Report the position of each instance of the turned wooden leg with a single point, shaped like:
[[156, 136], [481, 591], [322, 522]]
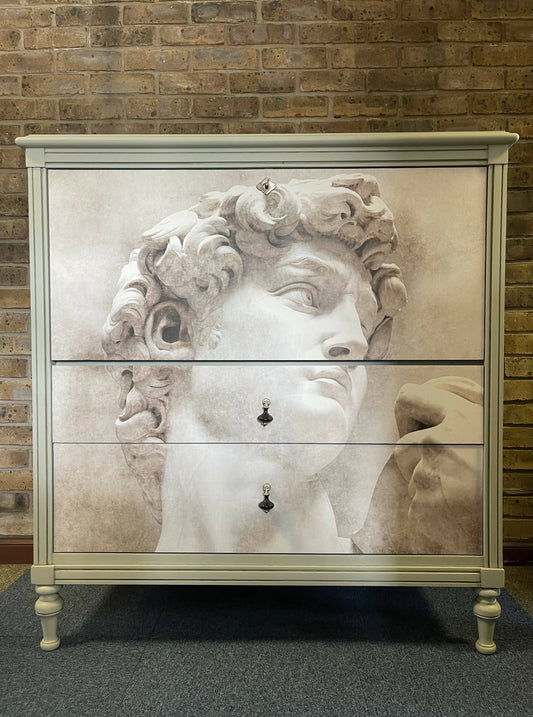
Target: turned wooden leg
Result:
[[48, 606], [487, 610]]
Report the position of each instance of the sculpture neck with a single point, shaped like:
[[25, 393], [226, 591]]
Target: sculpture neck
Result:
[[211, 493]]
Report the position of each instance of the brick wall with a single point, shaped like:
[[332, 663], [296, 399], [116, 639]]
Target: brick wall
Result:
[[82, 66]]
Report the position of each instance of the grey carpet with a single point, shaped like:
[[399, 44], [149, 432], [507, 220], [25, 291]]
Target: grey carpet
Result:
[[262, 651]]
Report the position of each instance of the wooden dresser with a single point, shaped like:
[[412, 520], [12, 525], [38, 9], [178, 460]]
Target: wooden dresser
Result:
[[268, 360]]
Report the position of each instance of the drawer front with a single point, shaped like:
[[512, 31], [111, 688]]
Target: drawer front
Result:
[[317, 268], [310, 403], [184, 498]]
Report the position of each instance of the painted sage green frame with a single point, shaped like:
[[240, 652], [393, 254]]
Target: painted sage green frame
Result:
[[479, 149]]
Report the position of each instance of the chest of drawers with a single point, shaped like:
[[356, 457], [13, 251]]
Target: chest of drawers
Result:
[[349, 287]]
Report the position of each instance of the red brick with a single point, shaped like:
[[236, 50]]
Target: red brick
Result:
[[85, 16], [295, 106], [217, 107], [13, 276], [464, 123], [519, 224], [294, 57], [88, 59], [13, 158], [364, 56], [25, 109], [503, 103], [224, 58], [15, 62], [13, 251], [518, 248], [156, 59], [503, 55], [17, 345], [516, 389], [192, 128], [9, 132], [123, 83], [223, 12], [193, 83], [295, 10], [14, 298], [122, 36], [434, 9], [470, 31], [55, 128], [15, 435], [142, 108], [9, 40], [470, 78], [434, 104], [155, 13], [519, 367], [488, 9], [13, 367], [332, 81], [192, 35], [91, 108], [519, 273], [405, 32], [518, 414], [124, 127], [367, 10], [435, 55], [11, 322], [521, 153], [521, 201], [70, 84], [14, 413], [520, 78], [519, 31], [354, 124], [521, 344], [251, 82], [402, 80], [14, 457], [9, 85], [42, 38], [365, 105], [261, 127], [331, 33], [174, 108], [16, 480], [15, 17], [14, 205], [521, 177], [519, 297], [262, 34]]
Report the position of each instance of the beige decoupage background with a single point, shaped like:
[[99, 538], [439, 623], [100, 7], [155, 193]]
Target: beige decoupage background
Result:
[[98, 504], [98, 217]]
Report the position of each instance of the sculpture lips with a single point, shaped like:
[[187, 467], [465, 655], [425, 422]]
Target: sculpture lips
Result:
[[335, 373]]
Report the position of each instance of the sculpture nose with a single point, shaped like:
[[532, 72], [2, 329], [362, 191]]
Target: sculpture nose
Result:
[[345, 339]]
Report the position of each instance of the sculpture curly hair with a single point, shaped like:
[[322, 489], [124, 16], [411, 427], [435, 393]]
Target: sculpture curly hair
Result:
[[177, 280]]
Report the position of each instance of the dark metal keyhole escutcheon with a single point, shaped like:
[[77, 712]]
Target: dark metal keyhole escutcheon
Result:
[[266, 504], [265, 418]]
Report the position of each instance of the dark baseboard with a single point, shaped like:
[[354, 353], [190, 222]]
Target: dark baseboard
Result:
[[20, 550], [17, 550], [518, 554]]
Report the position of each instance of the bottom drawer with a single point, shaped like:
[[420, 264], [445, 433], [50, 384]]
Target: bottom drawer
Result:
[[204, 498]]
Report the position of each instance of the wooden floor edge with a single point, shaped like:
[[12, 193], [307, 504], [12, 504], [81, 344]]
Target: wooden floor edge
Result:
[[16, 550], [19, 550]]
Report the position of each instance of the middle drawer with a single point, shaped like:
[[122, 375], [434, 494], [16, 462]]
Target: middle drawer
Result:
[[309, 403]]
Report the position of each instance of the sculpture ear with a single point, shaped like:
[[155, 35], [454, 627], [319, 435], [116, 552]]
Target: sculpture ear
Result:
[[168, 331]]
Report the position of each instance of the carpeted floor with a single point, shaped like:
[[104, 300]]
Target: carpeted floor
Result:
[[262, 651]]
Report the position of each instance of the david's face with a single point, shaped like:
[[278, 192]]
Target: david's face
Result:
[[312, 303]]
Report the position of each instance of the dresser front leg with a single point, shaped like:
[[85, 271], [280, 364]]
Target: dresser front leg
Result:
[[487, 610], [48, 606]]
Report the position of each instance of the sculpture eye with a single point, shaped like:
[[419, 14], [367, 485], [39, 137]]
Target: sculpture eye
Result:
[[301, 294]]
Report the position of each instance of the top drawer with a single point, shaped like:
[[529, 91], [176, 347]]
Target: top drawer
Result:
[[271, 264]]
